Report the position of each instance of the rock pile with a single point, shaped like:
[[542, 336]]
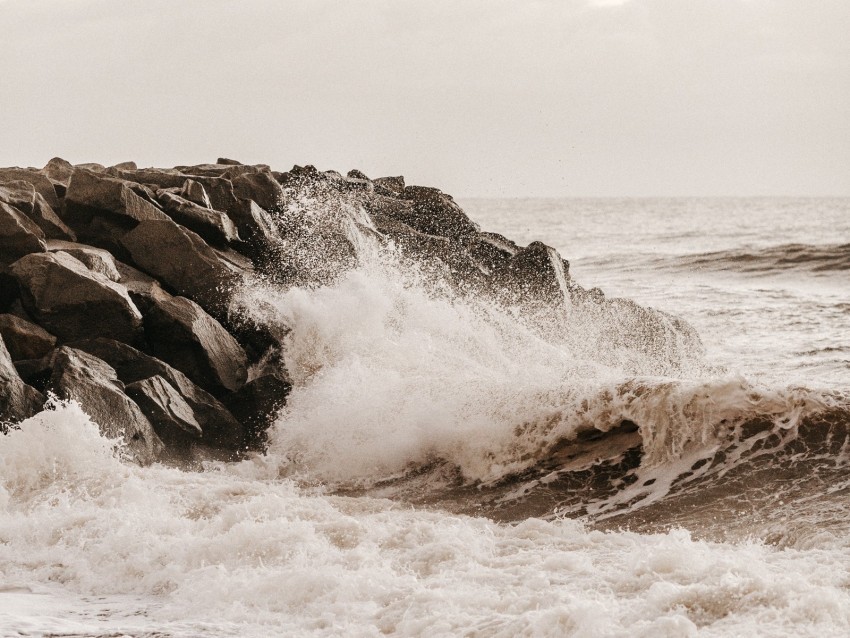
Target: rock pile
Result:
[[116, 287]]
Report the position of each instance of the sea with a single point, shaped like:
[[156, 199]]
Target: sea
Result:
[[445, 467]]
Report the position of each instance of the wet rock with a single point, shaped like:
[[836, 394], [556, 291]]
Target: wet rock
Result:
[[257, 404], [18, 401], [357, 174], [435, 213], [253, 224], [359, 185], [25, 340], [171, 416], [260, 187], [95, 259], [19, 235], [183, 335], [181, 260], [39, 181], [73, 302], [491, 251], [24, 197], [219, 426], [213, 226], [93, 383], [390, 186], [195, 193], [536, 273]]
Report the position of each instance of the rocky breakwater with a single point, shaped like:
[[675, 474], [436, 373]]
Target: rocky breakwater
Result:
[[117, 288]]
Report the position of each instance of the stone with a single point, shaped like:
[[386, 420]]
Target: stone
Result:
[[435, 213], [125, 166], [39, 181], [181, 260], [229, 162], [92, 194], [94, 385], [58, 171], [261, 187], [219, 426], [219, 189], [257, 404], [73, 302], [19, 235], [24, 197], [228, 171], [18, 401], [184, 336], [172, 418], [356, 174], [390, 186], [25, 340], [536, 273], [95, 259], [213, 226], [194, 192]]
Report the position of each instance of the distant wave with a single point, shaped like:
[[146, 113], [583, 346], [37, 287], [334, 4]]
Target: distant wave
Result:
[[823, 258]]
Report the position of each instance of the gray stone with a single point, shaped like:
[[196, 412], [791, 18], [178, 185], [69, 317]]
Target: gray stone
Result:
[[24, 197], [435, 213], [39, 181], [262, 187], [94, 385], [19, 235], [95, 259], [195, 192], [18, 401], [25, 340], [213, 226], [172, 418], [73, 302]]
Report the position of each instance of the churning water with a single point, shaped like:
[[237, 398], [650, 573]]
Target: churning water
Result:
[[444, 467]]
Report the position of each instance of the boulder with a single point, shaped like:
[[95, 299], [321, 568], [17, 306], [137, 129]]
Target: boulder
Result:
[[536, 273], [261, 187], [93, 194], [357, 174], [219, 189], [391, 186], [181, 260], [95, 259], [213, 226], [25, 340], [194, 192], [219, 426], [18, 401], [125, 166], [435, 213], [35, 177], [94, 385], [19, 235], [257, 404], [73, 302], [59, 171], [172, 418], [253, 224], [24, 197], [218, 170], [229, 162], [183, 335]]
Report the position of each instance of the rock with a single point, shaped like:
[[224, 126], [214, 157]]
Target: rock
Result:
[[19, 235], [183, 335], [194, 192], [219, 426], [94, 385], [213, 226], [491, 251], [18, 401], [95, 259], [391, 186], [72, 302], [219, 189], [536, 273], [172, 418], [356, 174], [359, 185], [25, 340], [58, 171], [39, 181], [24, 197], [228, 171], [229, 162], [435, 213], [260, 187], [181, 260], [125, 166], [257, 404]]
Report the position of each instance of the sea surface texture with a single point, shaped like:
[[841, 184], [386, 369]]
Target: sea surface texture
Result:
[[446, 467]]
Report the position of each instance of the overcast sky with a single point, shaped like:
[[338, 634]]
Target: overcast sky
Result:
[[493, 98]]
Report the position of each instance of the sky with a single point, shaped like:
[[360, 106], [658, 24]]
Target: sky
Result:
[[543, 98]]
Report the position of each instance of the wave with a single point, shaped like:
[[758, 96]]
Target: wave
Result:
[[785, 257]]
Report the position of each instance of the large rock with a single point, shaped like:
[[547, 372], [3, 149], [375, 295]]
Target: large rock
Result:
[[101, 209], [392, 186], [19, 235], [73, 302], [219, 426], [181, 260], [195, 192], [536, 273], [24, 197], [94, 385], [95, 259], [435, 213], [39, 181], [171, 416], [257, 404], [25, 340], [18, 401], [213, 226], [59, 171], [182, 334], [261, 187], [219, 189]]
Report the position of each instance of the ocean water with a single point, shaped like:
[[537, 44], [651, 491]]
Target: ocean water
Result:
[[445, 467]]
